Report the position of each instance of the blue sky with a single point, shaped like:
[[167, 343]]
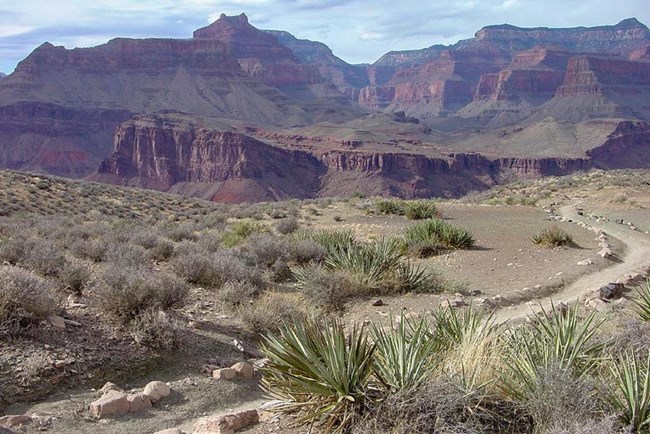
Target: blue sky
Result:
[[356, 30]]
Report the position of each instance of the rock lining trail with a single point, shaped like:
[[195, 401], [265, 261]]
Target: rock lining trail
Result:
[[634, 258]]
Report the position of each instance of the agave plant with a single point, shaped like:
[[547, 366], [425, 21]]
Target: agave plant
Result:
[[420, 209], [330, 240], [643, 302], [632, 379], [555, 339], [406, 353], [319, 371], [439, 235], [553, 237]]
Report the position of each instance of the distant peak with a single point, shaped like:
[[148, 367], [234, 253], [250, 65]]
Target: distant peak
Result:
[[629, 23], [224, 25]]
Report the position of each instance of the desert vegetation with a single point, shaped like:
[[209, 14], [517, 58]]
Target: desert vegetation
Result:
[[553, 237]]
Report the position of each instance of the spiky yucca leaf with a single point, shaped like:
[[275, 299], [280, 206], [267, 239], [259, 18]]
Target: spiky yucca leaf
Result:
[[421, 209], [555, 339], [318, 371], [439, 234], [406, 353], [632, 398], [643, 302]]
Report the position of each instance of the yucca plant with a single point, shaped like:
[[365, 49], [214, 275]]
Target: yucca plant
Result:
[[439, 235], [643, 302], [390, 206], [317, 370], [330, 240], [632, 397], [453, 327], [553, 237], [420, 209], [555, 339], [406, 353]]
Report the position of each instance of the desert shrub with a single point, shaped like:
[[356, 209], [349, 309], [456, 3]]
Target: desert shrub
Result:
[[272, 310], [182, 232], [232, 268], [642, 302], [125, 292], [236, 294], [240, 231], [162, 250], [434, 235], [443, 406], [265, 249], [198, 268], [631, 397], [287, 226], [74, 277], [306, 251], [280, 271], [319, 371], [209, 241], [127, 255], [13, 250], [421, 209], [390, 206], [25, 299], [562, 398], [45, 258], [330, 240], [91, 249], [153, 328], [145, 238], [329, 289], [553, 237]]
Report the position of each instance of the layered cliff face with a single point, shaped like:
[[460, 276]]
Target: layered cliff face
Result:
[[508, 71], [173, 154]]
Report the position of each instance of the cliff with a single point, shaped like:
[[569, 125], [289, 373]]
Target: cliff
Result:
[[173, 154]]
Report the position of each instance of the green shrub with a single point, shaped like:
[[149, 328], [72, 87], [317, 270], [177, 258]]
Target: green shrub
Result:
[[330, 240], [319, 371], [25, 299], [553, 237], [632, 395], [240, 231], [434, 235], [421, 209], [553, 340], [390, 206]]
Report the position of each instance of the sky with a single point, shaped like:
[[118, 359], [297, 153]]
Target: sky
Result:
[[358, 31]]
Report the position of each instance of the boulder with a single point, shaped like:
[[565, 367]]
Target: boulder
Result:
[[156, 390], [611, 291], [224, 374], [111, 386], [138, 402], [113, 402], [243, 370], [12, 420]]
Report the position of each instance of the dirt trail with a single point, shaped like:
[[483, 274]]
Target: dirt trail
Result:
[[635, 257]]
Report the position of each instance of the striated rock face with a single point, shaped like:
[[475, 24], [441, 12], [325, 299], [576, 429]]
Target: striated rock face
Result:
[[174, 155], [345, 76], [588, 75], [500, 75], [259, 53]]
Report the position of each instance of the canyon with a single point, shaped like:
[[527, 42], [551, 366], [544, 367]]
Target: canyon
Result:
[[238, 114]]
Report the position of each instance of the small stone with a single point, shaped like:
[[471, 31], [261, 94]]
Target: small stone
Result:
[[224, 374], [586, 262], [243, 419], [243, 370], [378, 302], [57, 322], [138, 402], [157, 390], [605, 253], [213, 425], [170, 431], [475, 292], [13, 420], [112, 402], [111, 386]]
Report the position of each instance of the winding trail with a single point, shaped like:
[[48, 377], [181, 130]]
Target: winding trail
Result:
[[636, 257]]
